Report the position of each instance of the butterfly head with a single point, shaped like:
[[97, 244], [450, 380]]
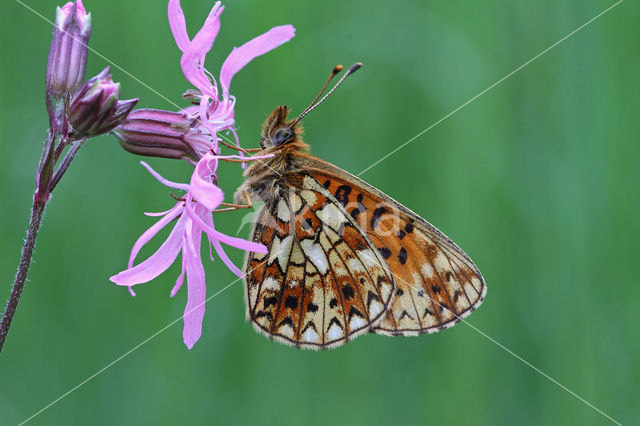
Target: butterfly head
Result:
[[277, 131]]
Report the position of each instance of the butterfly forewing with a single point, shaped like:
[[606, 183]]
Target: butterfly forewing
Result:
[[437, 284], [323, 281]]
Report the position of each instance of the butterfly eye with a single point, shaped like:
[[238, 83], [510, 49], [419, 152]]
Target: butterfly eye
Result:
[[282, 135]]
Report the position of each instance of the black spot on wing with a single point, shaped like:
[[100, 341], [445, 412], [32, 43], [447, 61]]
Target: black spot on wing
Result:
[[261, 314], [287, 321], [385, 252], [360, 208], [309, 325], [354, 312], [377, 214], [333, 303], [371, 296], [335, 320], [342, 194], [271, 300], [402, 256], [291, 302], [348, 292], [312, 307]]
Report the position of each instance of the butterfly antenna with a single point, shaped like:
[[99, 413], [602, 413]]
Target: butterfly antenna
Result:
[[335, 71]]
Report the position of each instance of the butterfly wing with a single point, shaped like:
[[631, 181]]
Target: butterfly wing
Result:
[[437, 284], [322, 282]]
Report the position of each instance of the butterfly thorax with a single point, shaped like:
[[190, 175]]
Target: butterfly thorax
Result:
[[266, 179]]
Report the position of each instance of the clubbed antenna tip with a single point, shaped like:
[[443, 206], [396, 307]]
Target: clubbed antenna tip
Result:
[[353, 68]]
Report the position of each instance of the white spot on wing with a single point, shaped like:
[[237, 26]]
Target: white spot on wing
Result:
[[369, 258], [375, 309], [271, 283], [331, 215], [309, 196], [296, 202], [283, 211], [281, 250], [310, 336], [355, 265], [427, 270], [356, 322], [334, 332], [287, 331], [315, 253]]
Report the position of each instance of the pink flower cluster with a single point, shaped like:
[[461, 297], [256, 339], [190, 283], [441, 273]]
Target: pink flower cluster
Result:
[[193, 215]]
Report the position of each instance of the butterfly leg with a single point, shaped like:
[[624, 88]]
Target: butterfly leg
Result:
[[231, 207]]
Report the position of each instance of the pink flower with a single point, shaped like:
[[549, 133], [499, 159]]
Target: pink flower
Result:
[[193, 214]]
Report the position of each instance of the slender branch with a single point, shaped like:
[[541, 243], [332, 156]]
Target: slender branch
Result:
[[66, 161], [23, 268]]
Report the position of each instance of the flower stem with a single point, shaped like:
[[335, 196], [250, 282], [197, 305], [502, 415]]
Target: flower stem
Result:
[[23, 269]]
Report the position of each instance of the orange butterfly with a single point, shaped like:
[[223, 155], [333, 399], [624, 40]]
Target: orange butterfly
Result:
[[344, 258]]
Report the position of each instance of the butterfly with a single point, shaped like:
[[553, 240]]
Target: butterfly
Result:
[[343, 258]]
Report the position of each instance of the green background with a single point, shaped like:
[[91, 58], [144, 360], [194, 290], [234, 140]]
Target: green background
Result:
[[537, 180]]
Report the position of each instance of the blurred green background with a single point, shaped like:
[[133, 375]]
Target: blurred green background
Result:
[[537, 180]]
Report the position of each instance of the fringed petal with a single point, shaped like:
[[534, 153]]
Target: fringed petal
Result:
[[241, 56], [196, 289], [157, 263]]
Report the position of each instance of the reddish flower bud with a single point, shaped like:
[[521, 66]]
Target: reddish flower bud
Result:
[[96, 107], [68, 51], [157, 133]]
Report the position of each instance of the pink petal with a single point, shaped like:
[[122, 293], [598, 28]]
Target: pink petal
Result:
[[155, 214], [219, 236], [151, 232], [202, 189], [191, 64], [179, 280], [260, 45], [157, 263], [204, 39], [197, 291], [164, 181], [190, 110], [225, 259], [192, 61], [178, 25]]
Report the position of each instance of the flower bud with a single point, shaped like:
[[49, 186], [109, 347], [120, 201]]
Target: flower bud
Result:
[[157, 133], [96, 107], [68, 51]]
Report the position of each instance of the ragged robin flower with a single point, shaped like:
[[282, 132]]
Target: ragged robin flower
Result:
[[193, 213]]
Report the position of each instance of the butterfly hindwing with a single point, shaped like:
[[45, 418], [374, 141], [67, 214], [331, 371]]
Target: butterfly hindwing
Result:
[[437, 284], [323, 282]]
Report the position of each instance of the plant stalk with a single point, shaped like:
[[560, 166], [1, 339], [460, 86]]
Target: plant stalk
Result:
[[23, 269]]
